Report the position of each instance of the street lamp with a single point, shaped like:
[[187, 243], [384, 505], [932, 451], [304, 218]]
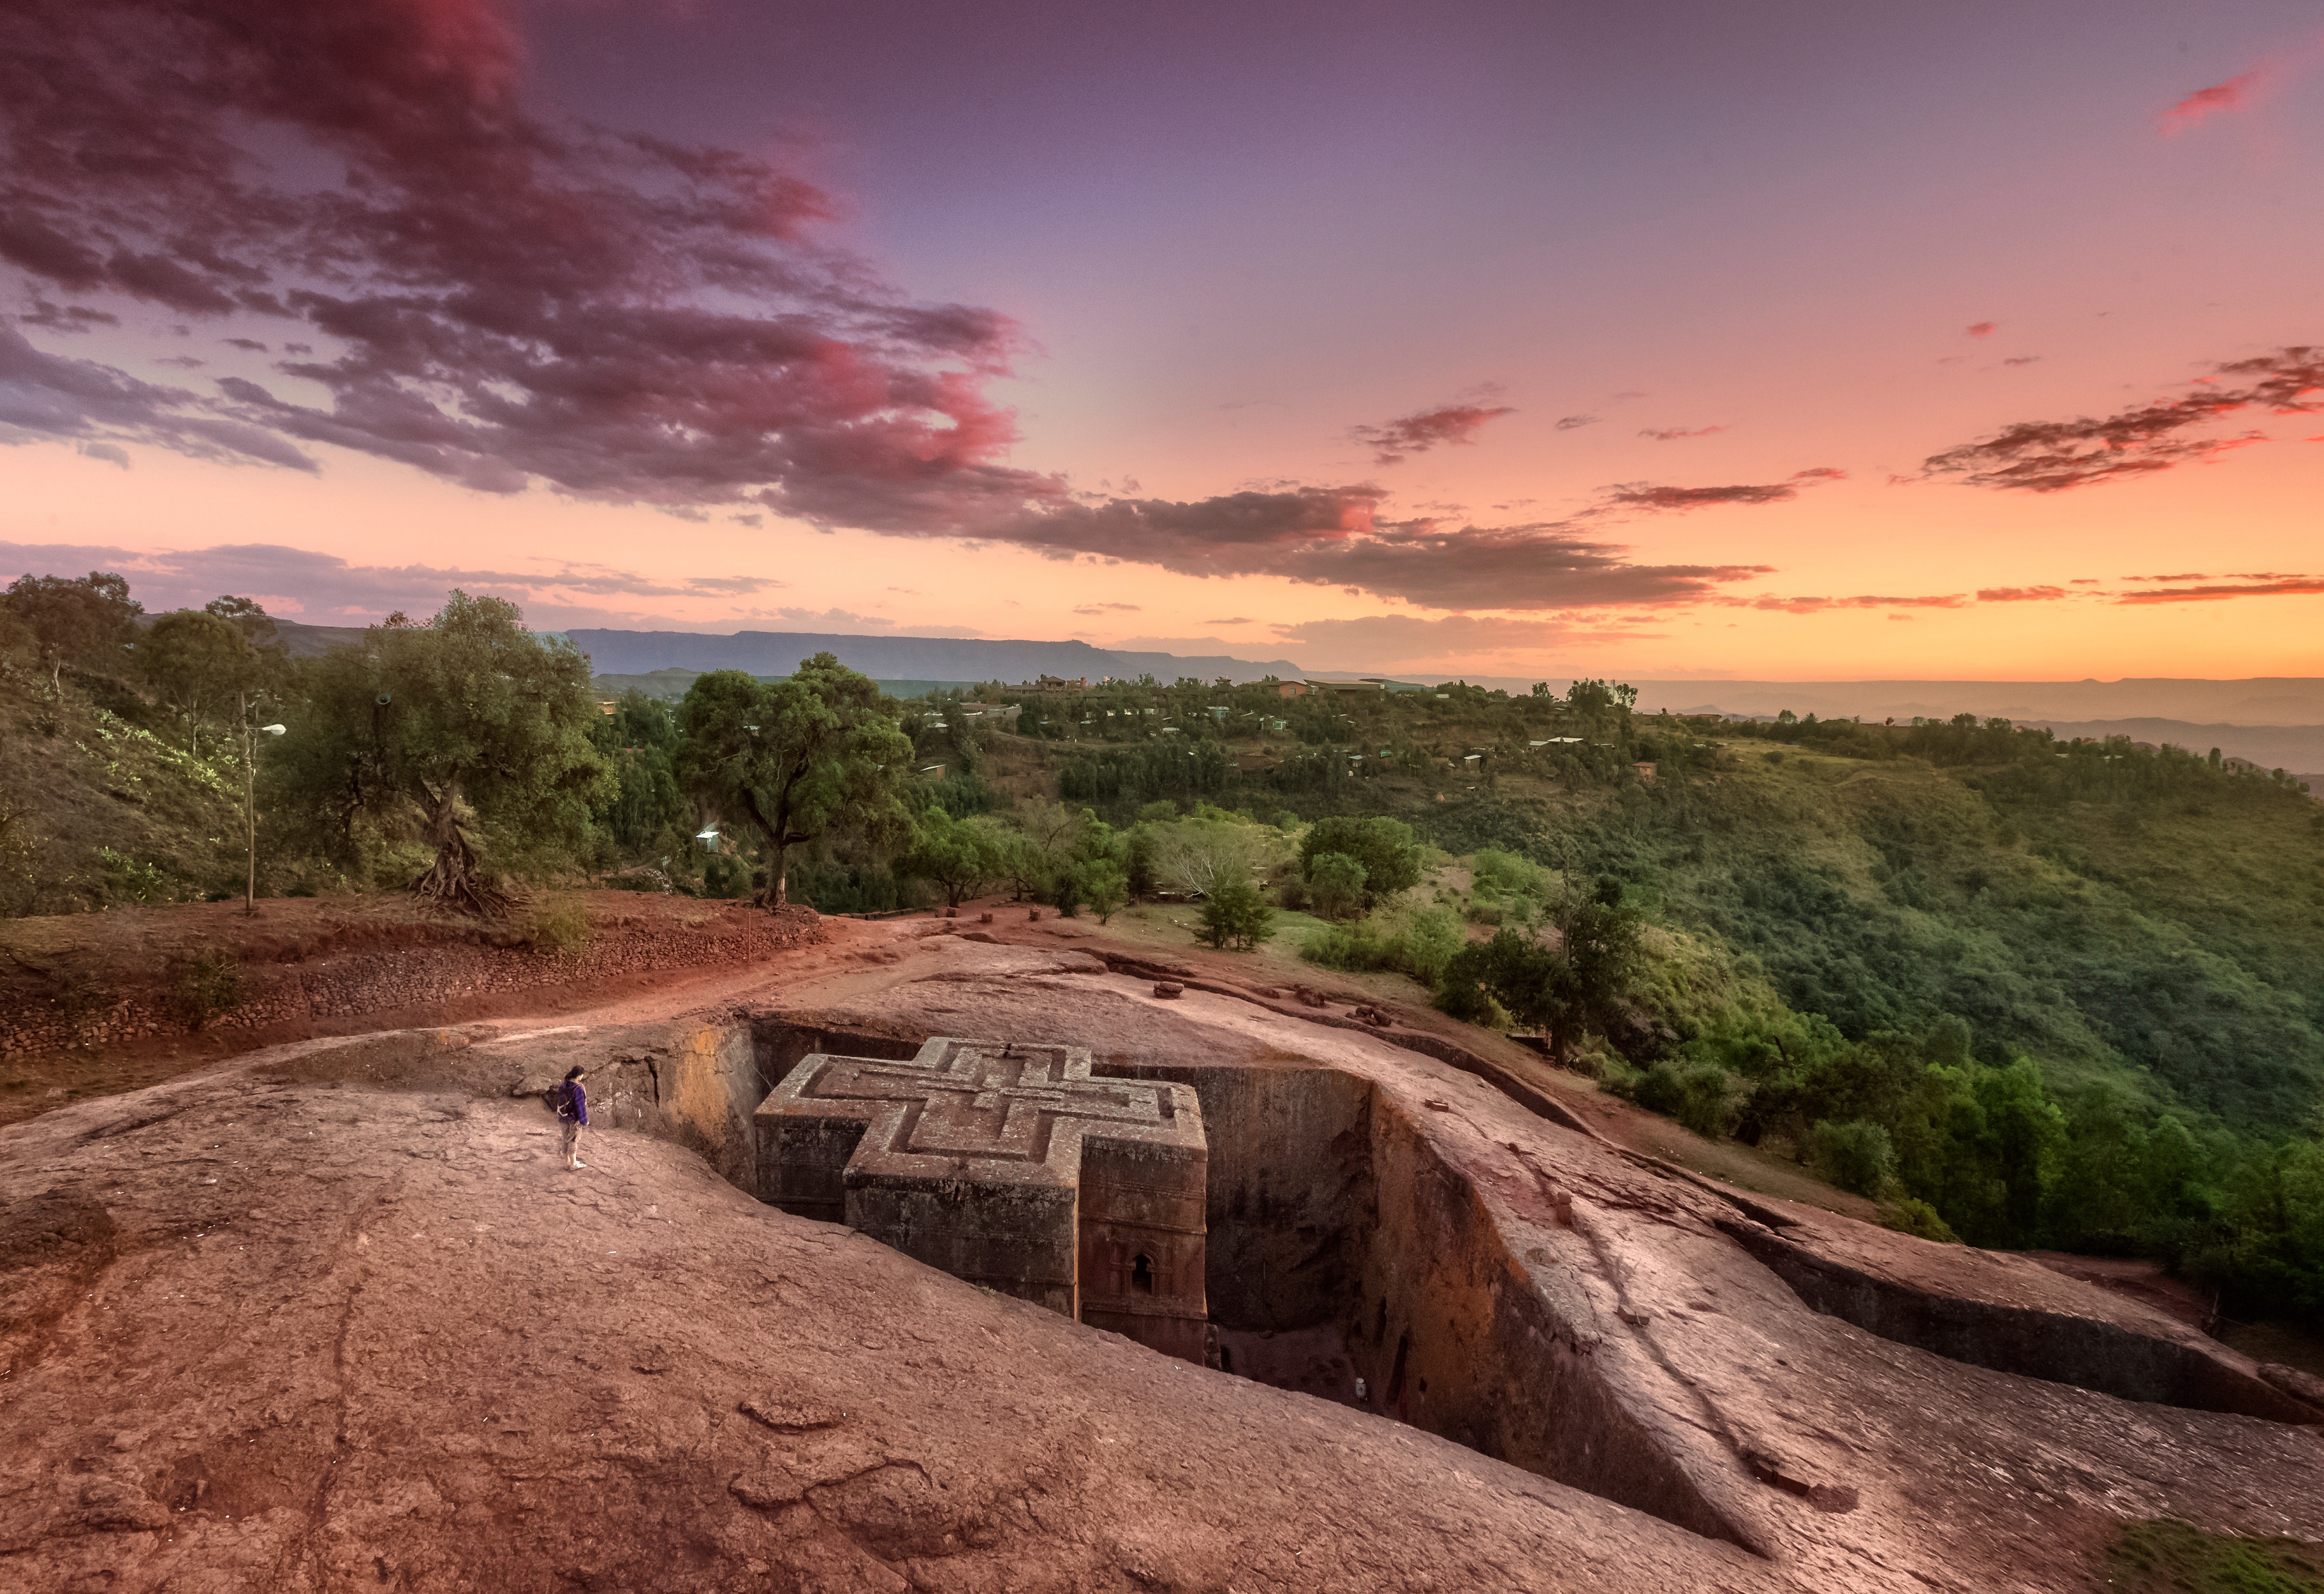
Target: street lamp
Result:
[[250, 735]]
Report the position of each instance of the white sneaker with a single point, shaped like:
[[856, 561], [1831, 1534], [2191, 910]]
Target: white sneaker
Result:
[[579, 1164]]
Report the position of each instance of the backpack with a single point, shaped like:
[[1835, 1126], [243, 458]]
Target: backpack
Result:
[[560, 1097]]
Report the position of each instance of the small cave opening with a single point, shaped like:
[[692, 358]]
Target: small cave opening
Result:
[[1141, 1274]]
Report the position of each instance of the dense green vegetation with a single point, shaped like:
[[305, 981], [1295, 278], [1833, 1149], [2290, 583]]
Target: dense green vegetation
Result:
[[2021, 991], [2168, 1557]]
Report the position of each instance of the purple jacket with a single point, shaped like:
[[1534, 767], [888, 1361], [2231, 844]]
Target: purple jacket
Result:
[[573, 1103]]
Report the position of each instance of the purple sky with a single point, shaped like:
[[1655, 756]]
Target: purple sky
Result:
[[1688, 338]]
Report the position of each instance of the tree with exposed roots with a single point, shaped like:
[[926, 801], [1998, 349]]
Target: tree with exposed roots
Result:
[[797, 757], [468, 722]]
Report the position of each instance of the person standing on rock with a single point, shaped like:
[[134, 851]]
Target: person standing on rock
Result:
[[573, 1114]]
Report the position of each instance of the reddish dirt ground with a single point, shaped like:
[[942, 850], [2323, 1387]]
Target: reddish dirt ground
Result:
[[94, 1004]]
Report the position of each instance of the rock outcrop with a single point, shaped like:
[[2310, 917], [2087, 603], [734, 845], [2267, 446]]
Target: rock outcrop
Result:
[[332, 1316]]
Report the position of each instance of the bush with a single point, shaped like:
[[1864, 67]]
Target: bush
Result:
[[1384, 847], [1105, 886], [560, 926], [1421, 944], [1856, 1155], [1466, 1001], [724, 877], [1336, 881], [1428, 940], [208, 985], [1496, 874], [1911, 1215], [1704, 1096], [1196, 855], [1353, 949], [1234, 915]]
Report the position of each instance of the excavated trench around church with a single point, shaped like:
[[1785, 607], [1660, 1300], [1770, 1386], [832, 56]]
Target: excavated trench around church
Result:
[[1346, 1260], [1342, 1249]]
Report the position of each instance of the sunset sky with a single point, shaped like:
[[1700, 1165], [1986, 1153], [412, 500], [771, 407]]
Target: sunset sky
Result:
[[1791, 341]]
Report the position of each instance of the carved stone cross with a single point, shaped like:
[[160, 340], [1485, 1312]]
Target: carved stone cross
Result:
[[1007, 1164]]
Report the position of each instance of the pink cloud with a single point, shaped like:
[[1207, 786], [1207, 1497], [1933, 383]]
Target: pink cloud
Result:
[[1642, 496], [1674, 433], [1982, 328], [328, 590], [2234, 95], [2054, 455], [509, 297], [1417, 433], [2278, 586], [1816, 605]]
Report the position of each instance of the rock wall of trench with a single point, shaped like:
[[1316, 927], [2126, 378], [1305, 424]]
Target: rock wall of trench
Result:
[[1327, 1205], [2084, 1351]]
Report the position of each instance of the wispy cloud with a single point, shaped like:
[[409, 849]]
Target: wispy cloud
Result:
[[1982, 328], [2020, 594], [2054, 455], [1390, 640], [1417, 433], [1107, 608], [832, 619], [1641, 495], [1673, 434], [2233, 95], [66, 317], [2267, 586], [1336, 537], [1816, 605]]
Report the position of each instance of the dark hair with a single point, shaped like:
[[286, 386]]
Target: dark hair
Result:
[[573, 1073]]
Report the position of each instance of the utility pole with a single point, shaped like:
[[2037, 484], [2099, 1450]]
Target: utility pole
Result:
[[250, 735]]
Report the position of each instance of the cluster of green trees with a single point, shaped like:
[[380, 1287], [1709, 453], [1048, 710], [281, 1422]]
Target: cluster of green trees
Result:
[[2029, 992], [464, 753]]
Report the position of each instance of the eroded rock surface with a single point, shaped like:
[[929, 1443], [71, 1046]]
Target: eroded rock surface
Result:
[[334, 1318]]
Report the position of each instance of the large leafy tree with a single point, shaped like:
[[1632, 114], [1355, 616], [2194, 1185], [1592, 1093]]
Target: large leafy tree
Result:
[[1385, 848], [467, 721], [87, 620], [1562, 989], [640, 739], [954, 855], [797, 757], [201, 667]]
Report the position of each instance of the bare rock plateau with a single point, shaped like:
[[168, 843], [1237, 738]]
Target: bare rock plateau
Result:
[[332, 1316]]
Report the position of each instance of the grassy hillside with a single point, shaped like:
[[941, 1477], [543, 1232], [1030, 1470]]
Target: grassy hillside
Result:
[[102, 801], [2173, 946]]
